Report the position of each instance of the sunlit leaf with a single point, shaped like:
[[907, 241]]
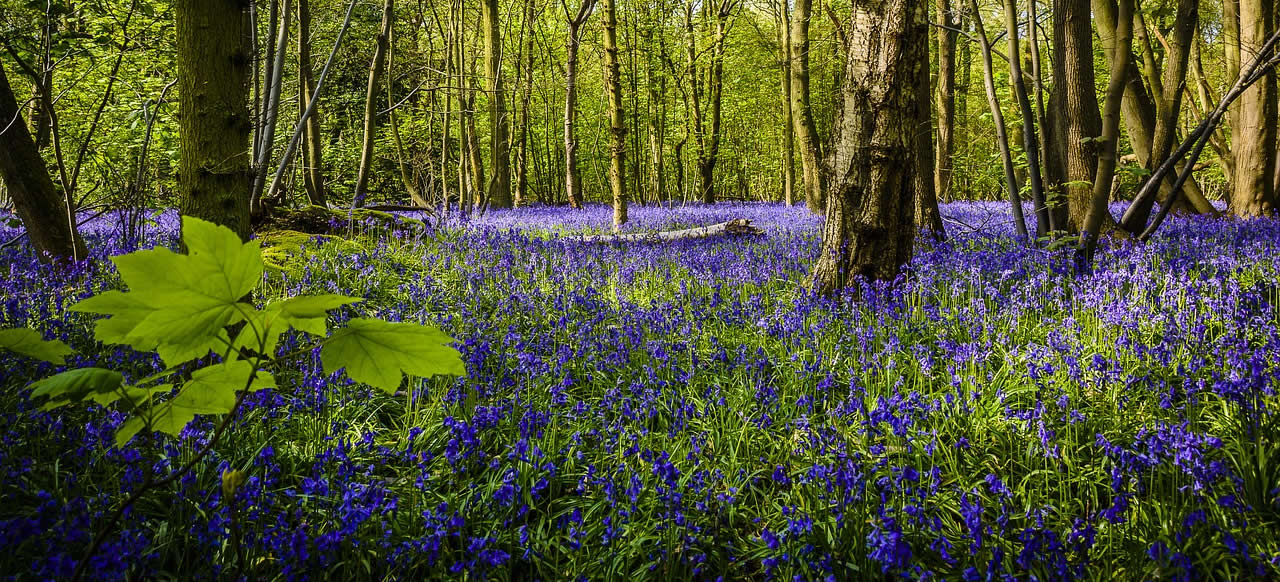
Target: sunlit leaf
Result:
[[30, 343], [377, 352]]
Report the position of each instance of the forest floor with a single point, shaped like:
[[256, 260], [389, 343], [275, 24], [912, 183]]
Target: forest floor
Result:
[[689, 410]]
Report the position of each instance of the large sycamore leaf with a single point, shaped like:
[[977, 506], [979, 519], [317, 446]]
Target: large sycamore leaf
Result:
[[178, 304], [30, 343], [377, 352]]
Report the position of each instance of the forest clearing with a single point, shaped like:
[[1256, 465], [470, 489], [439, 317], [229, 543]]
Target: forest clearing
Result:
[[651, 290]]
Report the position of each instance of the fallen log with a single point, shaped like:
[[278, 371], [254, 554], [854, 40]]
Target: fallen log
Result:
[[738, 227]]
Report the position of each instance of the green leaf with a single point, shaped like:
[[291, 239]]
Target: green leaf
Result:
[[211, 390], [30, 343], [76, 384], [311, 313], [129, 428], [178, 304], [132, 394], [377, 352]]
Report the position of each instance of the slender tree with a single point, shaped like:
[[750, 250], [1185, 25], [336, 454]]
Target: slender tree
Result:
[[1030, 142], [783, 14], [806, 130], [997, 118], [572, 181], [945, 106], [617, 123], [213, 111], [313, 148], [869, 229], [370, 103], [1121, 45]]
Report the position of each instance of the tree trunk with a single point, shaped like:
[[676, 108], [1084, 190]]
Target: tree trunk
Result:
[[370, 104], [1168, 108], [572, 181], [869, 229], [526, 61], [1121, 45], [927, 215], [1254, 135], [312, 149], [499, 124], [617, 123], [946, 100], [213, 112], [1074, 108], [1030, 143], [788, 119], [49, 225], [806, 130], [997, 118], [657, 86], [271, 115]]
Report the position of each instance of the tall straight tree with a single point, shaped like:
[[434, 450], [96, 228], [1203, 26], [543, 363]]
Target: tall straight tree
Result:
[[575, 22], [1254, 133], [49, 225], [945, 105], [997, 117], [525, 62], [802, 113], [783, 15], [312, 148], [870, 229], [617, 123], [370, 102], [1030, 143], [213, 111], [499, 123]]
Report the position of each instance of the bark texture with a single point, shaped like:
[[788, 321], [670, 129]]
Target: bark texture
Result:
[[945, 106], [1074, 108], [617, 119], [1253, 141], [869, 230], [213, 111]]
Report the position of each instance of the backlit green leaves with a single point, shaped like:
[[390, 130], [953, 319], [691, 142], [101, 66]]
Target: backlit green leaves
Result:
[[178, 304], [183, 307], [29, 342], [377, 352]]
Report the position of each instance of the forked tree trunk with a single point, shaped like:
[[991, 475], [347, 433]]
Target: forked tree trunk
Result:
[[50, 227], [1030, 143], [213, 112], [806, 131], [572, 181], [997, 117], [1122, 42], [617, 123], [870, 229]]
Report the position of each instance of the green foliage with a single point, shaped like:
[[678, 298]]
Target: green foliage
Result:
[[195, 306], [29, 343]]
